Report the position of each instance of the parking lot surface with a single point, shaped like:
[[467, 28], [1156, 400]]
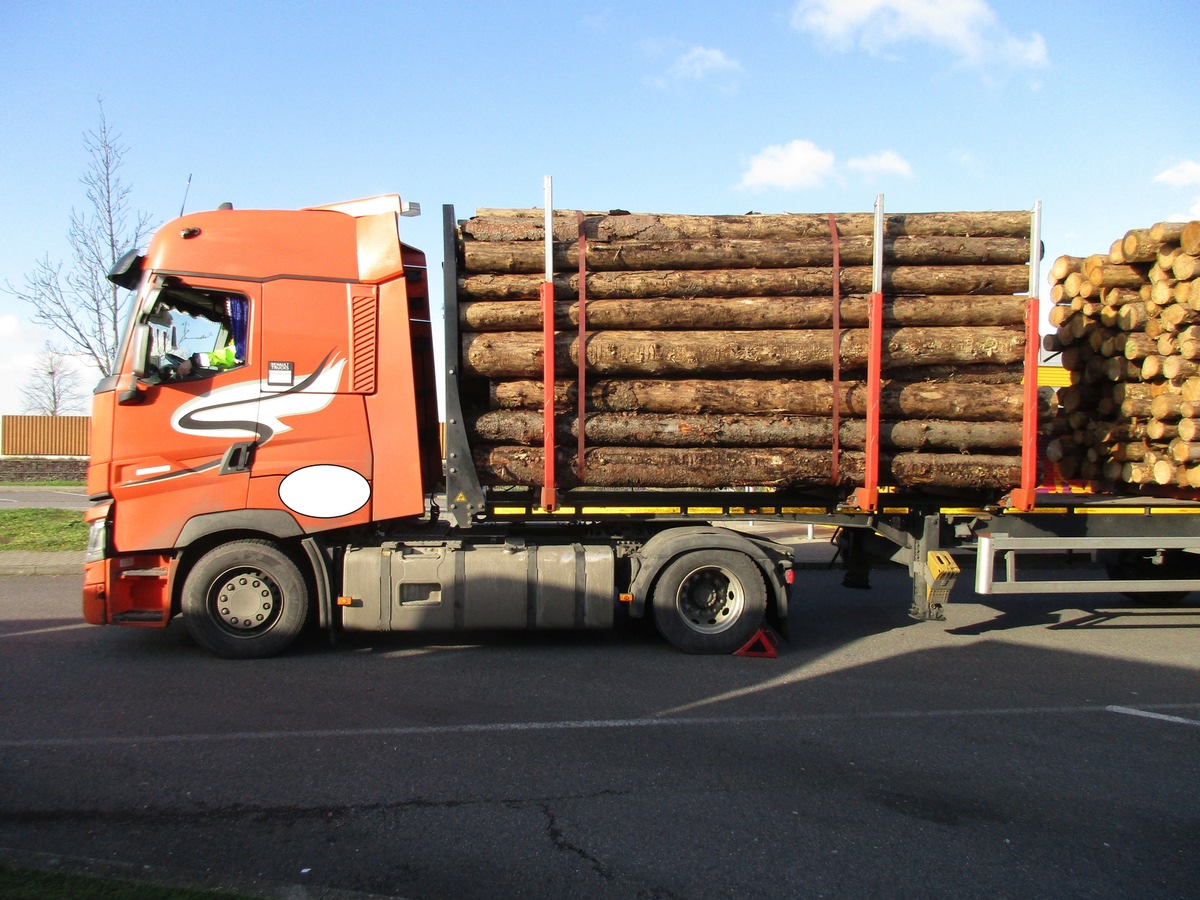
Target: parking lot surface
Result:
[[1025, 747], [20, 497]]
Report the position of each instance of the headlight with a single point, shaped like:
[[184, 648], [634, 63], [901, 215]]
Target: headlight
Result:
[[97, 544]]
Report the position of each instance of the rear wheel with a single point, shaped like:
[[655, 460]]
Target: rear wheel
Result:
[[245, 600], [1134, 564], [710, 601]]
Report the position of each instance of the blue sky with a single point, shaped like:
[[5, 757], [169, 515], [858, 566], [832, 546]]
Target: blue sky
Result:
[[700, 107]]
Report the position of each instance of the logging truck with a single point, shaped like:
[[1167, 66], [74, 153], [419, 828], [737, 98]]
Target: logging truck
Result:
[[622, 392]]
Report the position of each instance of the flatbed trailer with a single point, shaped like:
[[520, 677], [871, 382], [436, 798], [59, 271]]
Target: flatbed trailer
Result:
[[1150, 539], [1119, 543]]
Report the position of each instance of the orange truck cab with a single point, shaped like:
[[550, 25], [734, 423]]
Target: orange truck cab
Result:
[[273, 364]]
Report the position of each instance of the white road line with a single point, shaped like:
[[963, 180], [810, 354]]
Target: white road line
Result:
[[467, 728], [1130, 711], [44, 630]]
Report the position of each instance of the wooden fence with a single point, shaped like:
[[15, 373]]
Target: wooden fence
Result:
[[44, 435]]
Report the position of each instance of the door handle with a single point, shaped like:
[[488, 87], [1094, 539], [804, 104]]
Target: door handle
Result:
[[237, 458]]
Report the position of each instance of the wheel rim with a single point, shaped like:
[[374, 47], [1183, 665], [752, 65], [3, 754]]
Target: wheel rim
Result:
[[710, 599], [245, 602]]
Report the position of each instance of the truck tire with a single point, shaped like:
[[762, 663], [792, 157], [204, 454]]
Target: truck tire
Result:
[[245, 600], [710, 601], [1132, 564]]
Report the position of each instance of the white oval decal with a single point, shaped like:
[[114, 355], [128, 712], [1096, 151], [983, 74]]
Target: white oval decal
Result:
[[324, 492]]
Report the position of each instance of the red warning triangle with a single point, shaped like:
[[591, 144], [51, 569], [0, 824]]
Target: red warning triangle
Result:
[[763, 645]]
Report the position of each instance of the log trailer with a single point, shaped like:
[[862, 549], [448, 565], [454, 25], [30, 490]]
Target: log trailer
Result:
[[268, 453]]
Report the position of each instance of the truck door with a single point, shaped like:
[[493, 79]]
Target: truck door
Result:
[[318, 346], [182, 440]]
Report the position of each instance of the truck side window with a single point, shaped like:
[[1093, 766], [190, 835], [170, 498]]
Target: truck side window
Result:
[[196, 334]]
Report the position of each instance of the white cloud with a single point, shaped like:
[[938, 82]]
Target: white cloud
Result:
[[885, 163], [800, 164], [968, 29], [20, 345], [694, 65], [1192, 215], [1181, 175], [16, 363], [700, 62]]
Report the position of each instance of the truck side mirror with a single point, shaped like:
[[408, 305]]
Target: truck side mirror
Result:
[[130, 390]]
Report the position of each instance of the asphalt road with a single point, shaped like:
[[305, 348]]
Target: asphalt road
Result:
[[18, 497], [1024, 748]]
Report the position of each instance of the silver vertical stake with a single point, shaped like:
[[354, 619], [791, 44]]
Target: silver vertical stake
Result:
[[548, 185], [877, 256], [1035, 250]]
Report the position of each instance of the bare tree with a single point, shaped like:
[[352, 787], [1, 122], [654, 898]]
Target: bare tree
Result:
[[52, 388], [79, 303]]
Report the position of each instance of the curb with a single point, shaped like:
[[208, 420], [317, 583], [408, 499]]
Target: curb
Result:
[[19, 562]]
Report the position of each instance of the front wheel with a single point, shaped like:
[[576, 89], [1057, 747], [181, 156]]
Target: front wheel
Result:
[[245, 600], [710, 601]]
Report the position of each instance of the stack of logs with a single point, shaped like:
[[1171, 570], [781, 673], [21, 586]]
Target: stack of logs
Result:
[[1128, 325], [710, 348]]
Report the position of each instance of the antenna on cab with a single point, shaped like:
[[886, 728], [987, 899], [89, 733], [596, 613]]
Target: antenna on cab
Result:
[[186, 188]]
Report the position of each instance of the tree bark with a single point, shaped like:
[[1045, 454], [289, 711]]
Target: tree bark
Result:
[[1189, 429], [1175, 367], [1167, 406], [1064, 266], [528, 225], [1167, 232], [701, 467], [1158, 430], [1139, 346], [990, 279], [1189, 239], [515, 354], [523, 257], [745, 396], [637, 429], [1184, 451], [1185, 267], [1139, 246], [655, 313], [1120, 276]]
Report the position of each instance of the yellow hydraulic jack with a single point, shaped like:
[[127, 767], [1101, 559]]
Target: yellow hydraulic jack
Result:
[[939, 573]]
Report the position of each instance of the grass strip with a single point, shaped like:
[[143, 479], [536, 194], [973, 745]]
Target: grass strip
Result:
[[42, 529]]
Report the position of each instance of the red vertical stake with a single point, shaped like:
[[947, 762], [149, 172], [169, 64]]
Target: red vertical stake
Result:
[[1025, 496], [549, 487], [866, 498], [837, 350], [581, 374]]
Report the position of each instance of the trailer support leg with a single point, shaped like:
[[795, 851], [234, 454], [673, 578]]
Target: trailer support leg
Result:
[[933, 573], [856, 560]]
